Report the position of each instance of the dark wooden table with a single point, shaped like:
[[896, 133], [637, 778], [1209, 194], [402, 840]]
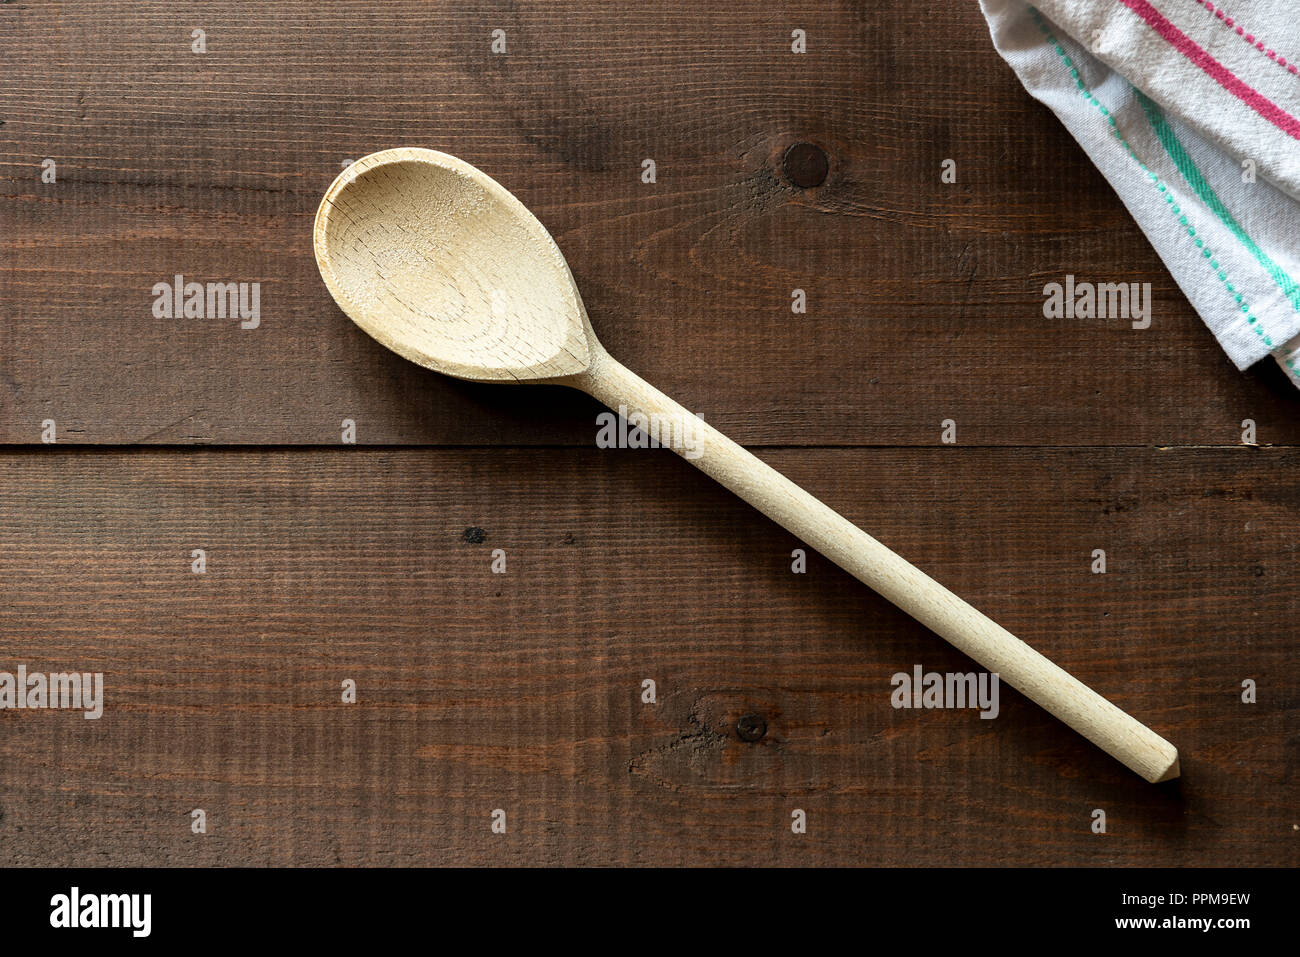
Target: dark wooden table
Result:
[[522, 691]]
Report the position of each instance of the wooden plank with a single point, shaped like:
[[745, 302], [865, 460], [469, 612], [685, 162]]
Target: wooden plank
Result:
[[924, 299], [522, 691]]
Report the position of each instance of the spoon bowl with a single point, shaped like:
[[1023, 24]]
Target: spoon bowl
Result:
[[443, 265]]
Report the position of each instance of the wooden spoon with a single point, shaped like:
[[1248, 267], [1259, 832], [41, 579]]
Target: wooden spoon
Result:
[[444, 266]]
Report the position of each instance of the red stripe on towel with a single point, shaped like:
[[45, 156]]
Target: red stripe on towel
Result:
[[1189, 48]]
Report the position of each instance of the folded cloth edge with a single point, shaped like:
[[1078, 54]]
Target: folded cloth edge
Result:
[[1243, 349]]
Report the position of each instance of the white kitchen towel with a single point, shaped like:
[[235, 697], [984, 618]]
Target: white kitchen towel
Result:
[[1192, 113]]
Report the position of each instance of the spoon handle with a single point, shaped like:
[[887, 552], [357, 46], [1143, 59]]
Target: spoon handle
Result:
[[992, 646]]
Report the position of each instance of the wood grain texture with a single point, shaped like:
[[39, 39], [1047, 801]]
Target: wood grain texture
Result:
[[522, 691], [924, 299]]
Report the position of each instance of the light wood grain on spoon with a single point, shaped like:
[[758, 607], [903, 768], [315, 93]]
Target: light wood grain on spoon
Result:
[[443, 265]]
